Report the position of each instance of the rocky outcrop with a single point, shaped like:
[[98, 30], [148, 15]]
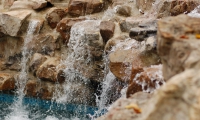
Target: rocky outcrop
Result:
[[12, 21], [124, 52], [175, 96], [177, 51]]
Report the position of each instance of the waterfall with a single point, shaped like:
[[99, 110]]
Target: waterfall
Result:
[[19, 111]]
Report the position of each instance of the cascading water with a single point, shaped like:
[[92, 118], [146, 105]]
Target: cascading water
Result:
[[18, 109]]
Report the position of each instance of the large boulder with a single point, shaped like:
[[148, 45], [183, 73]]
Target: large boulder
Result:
[[83, 7], [7, 81], [11, 22], [173, 100], [178, 44]]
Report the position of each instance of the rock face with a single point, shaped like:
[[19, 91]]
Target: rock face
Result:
[[125, 52], [178, 97], [45, 44], [10, 52], [177, 51], [175, 99], [7, 81], [12, 21]]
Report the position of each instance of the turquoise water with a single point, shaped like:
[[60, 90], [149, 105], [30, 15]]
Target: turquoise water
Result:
[[37, 109]]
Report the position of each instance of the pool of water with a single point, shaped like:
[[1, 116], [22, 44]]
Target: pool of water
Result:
[[37, 109]]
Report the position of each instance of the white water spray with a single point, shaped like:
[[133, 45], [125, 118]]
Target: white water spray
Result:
[[18, 109]]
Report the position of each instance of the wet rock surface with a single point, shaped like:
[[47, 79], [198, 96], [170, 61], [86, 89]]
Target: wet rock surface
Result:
[[7, 81], [72, 46]]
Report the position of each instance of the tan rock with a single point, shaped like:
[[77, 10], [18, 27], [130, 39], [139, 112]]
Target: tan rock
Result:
[[35, 62], [12, 21], [144, 5], [131, 22], [128, 51], [48, 71], [41, 89], [177, 44], [145, 79], [10, 52], [32, 4], [123, 10], [82, 7], [64, 27], [86, 41], [45, 44], [7, 3], [54, 16], [174, 7], [174, 98], [7, 81], [123, 108]]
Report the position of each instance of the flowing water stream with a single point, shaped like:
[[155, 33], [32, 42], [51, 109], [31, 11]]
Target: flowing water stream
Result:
[[18, 110]]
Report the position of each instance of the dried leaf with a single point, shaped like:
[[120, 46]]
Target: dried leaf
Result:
[[197, 36], [134, 107], [184, 37]]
